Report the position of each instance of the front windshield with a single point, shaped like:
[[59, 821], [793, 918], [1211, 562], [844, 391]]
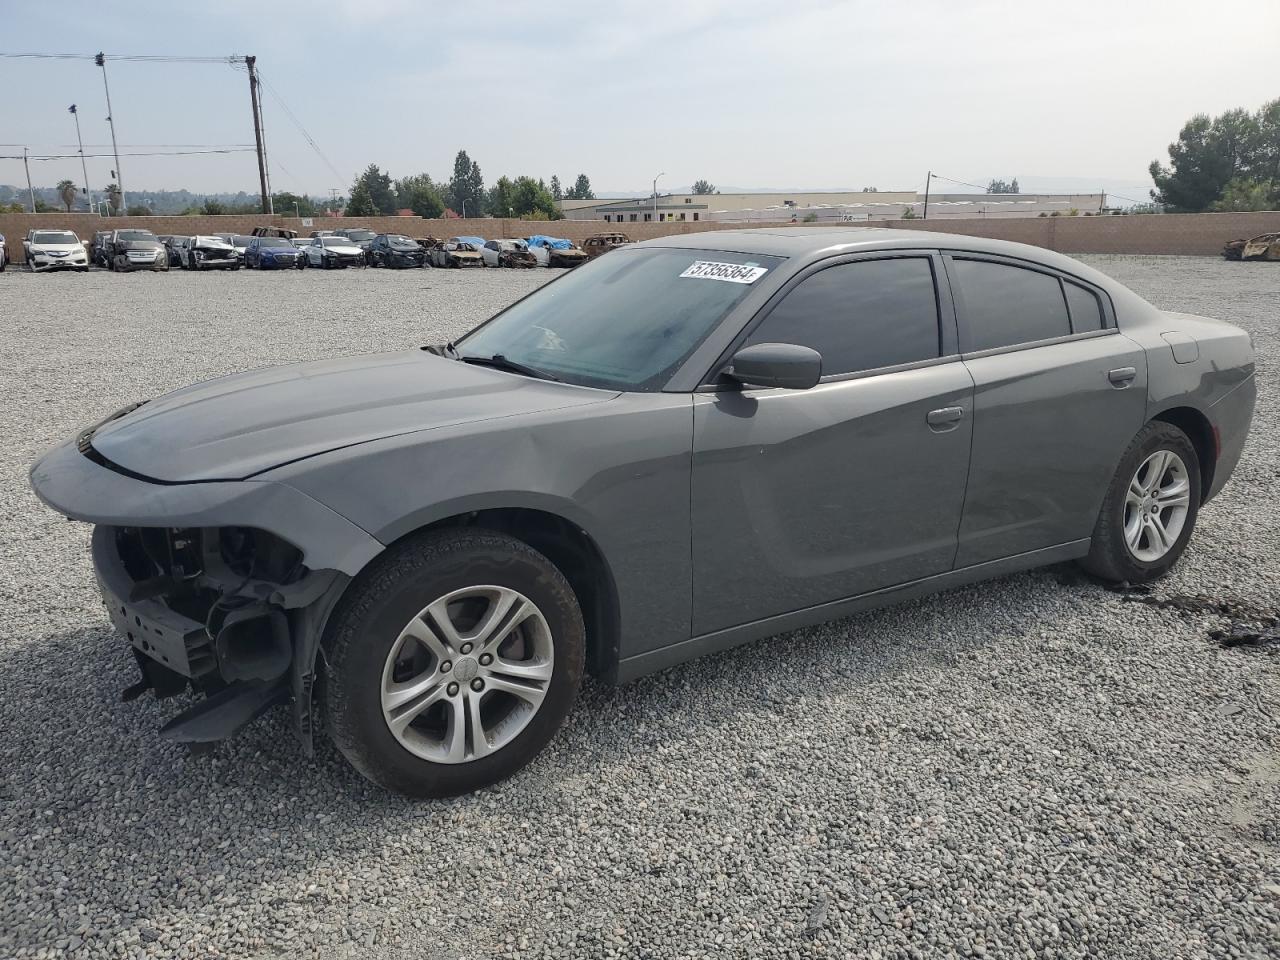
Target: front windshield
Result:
[[360, 234], [403, 243], [135, 235], [623, 322], [55, 236], [274, 242], [334, 241]]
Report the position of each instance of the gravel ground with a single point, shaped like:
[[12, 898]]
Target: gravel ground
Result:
[[1032, 767]]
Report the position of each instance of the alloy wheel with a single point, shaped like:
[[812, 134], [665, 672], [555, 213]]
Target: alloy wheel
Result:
[[467, 674], [1156, 505]]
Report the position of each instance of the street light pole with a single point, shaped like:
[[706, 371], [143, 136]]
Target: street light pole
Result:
[[83, 169], [655, 197], [101, 61], [928, 179], [464, 208]]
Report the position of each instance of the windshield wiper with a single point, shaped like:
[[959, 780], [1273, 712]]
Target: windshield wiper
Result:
[[500, 362]]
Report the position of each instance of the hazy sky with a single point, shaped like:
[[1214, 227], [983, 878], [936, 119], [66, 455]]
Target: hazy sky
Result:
[[744, 93]]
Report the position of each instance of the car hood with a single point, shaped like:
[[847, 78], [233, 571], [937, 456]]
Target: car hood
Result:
[[54, 247], [346, 249], [238, 426]]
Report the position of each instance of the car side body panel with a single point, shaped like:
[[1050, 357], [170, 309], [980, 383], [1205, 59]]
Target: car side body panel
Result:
[[618, 470], [1049, 429], [805, 497]]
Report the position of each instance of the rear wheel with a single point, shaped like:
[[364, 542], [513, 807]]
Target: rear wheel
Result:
[[452, 663], [1150, 508]]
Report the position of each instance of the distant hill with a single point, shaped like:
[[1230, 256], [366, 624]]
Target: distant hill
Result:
[[159, 202]]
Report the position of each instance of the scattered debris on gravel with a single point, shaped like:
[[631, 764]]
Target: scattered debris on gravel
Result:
[[1032, 767]]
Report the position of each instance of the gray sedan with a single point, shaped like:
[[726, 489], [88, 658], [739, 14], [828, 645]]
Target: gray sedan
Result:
[[689, 444]]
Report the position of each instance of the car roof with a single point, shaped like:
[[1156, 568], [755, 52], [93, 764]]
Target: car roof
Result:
[[804, 244]]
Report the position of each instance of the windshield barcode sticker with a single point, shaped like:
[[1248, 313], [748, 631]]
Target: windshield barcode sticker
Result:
[[728, 272]]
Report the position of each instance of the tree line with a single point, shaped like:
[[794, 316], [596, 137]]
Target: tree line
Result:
[[376, 192], [1223, 163]]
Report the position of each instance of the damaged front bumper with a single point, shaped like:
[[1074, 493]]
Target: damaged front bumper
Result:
[[223, 587]]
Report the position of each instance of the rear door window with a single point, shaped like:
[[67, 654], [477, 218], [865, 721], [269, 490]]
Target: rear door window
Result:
[[860, 315], [1006, 305], [1086, 311]]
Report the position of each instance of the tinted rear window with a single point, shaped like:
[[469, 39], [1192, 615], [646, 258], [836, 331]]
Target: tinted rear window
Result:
[[1006, 305], [1086, 311], [860, 316]]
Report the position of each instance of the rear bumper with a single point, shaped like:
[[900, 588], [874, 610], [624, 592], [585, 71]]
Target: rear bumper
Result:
[[1231, 417]]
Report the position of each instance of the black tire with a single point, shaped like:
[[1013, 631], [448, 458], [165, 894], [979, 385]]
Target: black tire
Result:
[[369, 618], [1109, 555]]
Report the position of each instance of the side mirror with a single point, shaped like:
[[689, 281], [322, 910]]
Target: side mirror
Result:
[[787, 365]]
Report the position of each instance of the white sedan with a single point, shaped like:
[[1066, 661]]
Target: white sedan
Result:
[[334, 251], [54, 250]]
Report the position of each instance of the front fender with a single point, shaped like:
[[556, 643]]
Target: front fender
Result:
[[89, 489]]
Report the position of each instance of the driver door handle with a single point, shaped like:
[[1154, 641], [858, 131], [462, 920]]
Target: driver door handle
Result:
[[944, 418]]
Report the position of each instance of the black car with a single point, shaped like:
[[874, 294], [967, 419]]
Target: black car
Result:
[[271, 253], [98, 254], [174, 246], [394, 250]]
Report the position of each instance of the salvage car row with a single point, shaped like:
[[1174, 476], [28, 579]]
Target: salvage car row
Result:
[[276, 248]]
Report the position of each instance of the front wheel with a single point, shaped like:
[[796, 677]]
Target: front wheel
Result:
[[452, 663], [1150, 508]]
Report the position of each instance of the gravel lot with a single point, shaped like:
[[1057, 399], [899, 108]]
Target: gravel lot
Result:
[[1028, 767]]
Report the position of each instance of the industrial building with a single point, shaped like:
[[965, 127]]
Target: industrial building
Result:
[[845, 206]]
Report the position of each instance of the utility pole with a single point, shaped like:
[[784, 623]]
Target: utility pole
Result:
[[928, 179], [101, 61], [250, 63], [655, 197], [83, 169], [31, 193]]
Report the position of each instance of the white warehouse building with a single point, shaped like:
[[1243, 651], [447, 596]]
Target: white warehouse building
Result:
[[847, 206]]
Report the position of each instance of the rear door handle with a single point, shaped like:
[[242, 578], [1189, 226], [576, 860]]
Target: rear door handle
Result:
[[1122, 376], [944, 418]]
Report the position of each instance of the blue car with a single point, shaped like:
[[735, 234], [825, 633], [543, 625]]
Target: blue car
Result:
[[269, 253]]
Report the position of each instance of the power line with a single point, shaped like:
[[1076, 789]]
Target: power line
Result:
[[298, 123], [136, 58], [1121, 196], [171, 153], [135, 146], [963, 183]]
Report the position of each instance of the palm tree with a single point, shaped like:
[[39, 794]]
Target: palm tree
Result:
[[113, 197], [67, 193]]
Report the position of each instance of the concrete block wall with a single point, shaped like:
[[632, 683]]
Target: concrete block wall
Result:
[[1190, 234]]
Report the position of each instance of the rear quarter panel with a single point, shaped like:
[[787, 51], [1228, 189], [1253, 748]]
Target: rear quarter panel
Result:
[[1215, 377]]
